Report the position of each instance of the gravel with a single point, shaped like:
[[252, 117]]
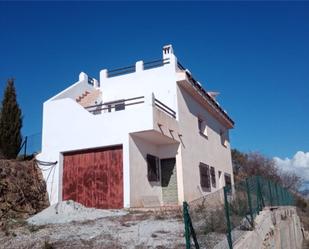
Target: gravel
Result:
[[71, 225], [67, 211], [135, 230]]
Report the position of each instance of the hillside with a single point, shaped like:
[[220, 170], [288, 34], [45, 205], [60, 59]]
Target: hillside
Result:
[[22, 190]]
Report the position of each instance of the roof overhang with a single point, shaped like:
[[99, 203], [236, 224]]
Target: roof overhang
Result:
[[186, 81]]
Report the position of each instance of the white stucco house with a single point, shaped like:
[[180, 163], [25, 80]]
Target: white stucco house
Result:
[[140, 136]]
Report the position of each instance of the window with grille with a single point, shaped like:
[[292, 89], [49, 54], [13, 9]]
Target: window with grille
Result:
[[153, 168], [213, 176], [204, 177]]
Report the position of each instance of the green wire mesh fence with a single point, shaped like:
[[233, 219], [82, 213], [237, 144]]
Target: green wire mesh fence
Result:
[[207, 216], [218, 219]]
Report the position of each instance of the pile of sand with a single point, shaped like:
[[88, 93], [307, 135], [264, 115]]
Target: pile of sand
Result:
[[67, 211]]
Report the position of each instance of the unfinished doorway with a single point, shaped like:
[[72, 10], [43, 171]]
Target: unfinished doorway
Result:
[[94, 177], [169, 181]]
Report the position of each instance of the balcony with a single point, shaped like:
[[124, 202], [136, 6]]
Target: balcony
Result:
[[163, 128]]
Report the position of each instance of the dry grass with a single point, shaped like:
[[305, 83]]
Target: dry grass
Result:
[[303, 212]]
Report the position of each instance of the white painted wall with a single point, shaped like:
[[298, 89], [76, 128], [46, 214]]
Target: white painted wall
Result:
[[160, 81]]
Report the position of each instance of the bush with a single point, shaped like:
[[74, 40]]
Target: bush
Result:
[[301, 203]]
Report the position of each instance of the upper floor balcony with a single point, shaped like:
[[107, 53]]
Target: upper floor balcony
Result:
[[103, 124], [164, 125]]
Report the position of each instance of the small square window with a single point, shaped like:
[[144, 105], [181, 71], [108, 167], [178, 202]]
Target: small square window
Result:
[[153, 168], [202, 127]]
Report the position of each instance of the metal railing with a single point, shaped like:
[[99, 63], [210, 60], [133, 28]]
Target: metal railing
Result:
[[121, 71], [239, 204], [156, 63], [181, 67], [132, 69], [117, 105], [164, 108]]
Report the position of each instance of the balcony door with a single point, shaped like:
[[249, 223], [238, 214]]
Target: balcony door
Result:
[[169, 181]]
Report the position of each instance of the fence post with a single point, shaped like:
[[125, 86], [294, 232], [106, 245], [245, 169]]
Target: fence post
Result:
[[257, 195], [189, 230], [227, 215], [249, 202], [276, 187], [270, 194], [187, 226], [261, 202], [193, 234], [25, 148]]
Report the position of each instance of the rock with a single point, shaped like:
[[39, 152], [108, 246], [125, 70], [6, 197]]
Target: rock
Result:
[[245, 225], [22, 189]]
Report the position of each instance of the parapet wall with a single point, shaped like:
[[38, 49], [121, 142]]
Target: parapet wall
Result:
[[275, 228]]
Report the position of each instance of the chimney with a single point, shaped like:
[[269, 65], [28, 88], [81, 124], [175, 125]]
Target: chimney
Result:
[[167, 51]]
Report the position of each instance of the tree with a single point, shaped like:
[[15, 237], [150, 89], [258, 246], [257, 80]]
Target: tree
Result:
[[10, 123], [256, 164], [290, 180], [239, 161]]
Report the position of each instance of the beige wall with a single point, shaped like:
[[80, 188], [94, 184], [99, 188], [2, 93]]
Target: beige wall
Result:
[[192, 149], [196, 148], [139, 184]]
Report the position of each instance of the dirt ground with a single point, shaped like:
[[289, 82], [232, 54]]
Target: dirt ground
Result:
[[136, 229]]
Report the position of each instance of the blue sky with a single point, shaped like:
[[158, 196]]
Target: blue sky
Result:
[[256, 54]]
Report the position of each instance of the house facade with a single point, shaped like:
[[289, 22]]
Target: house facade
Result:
[[141, 136]]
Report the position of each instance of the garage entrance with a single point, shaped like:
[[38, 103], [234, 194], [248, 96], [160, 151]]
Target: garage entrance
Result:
[[94, 177]]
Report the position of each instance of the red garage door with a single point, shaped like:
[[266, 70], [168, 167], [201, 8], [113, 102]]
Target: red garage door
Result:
[[94, 178]]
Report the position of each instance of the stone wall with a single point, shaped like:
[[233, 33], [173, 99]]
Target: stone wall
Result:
[[275, 228]]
